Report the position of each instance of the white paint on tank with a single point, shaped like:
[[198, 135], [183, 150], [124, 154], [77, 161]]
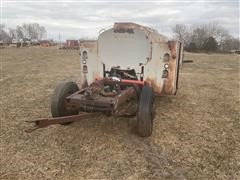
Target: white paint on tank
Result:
[[124, 49]]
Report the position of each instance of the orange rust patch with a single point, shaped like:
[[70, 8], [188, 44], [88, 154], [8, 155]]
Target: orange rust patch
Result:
[[152, 83]]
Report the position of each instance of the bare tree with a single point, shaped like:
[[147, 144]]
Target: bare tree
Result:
[[215, 30], [42, 32], [28, 31], [20, 32], [230, 43], [198, 34], [33, 31], [4, 37], [181, 32], [12, 33]]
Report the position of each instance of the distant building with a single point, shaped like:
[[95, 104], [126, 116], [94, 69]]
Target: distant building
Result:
[[71, 44]]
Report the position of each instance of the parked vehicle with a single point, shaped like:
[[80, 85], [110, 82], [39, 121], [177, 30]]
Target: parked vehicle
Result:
[[121, 73]]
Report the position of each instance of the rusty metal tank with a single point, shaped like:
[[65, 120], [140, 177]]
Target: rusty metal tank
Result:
[[154, 58]]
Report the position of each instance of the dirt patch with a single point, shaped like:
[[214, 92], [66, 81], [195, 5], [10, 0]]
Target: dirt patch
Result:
[[196, 133]]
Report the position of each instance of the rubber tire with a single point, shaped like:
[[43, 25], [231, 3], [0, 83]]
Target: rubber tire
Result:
[[146, 112], [62, 90]]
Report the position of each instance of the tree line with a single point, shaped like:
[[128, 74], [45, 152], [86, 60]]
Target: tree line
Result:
[[210, 37], [31, 31]]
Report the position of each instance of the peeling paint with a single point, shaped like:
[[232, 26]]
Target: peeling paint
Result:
[[130, 44]]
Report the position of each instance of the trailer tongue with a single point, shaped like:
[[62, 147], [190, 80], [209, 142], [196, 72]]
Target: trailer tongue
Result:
[[44, 122]]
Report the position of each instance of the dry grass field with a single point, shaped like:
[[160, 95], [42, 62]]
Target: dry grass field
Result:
[[196, 133]]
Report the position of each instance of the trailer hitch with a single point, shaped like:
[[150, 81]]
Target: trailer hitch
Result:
[[44, 122]]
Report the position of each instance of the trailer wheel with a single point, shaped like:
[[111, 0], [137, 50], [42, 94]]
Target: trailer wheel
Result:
[[62, 90], [146, 112]]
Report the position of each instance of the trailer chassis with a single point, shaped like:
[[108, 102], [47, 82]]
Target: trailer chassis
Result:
[[93, 101]]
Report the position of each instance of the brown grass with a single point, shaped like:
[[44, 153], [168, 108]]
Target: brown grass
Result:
[[196, 134]]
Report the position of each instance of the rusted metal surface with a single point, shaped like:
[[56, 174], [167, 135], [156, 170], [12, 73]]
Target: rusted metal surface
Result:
[[128, 45], [103, 104], [44, 122], [124, 96], [168, 85], [94, 98], [127, 81], [116, 66], [123, 103], [94, 90]]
